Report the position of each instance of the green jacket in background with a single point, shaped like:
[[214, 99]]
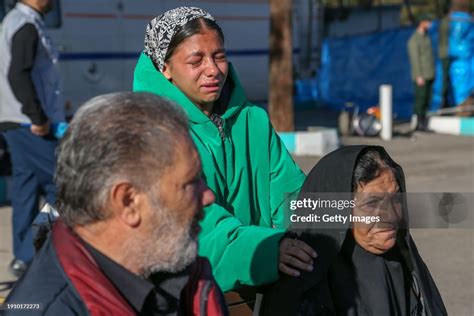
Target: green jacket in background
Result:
[[250, 172], [443, 41], [421, 56]]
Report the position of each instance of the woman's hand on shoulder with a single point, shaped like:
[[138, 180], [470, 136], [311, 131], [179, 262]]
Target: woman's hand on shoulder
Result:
[[295, 256]]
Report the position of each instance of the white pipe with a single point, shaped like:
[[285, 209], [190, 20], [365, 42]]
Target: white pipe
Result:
[[385, 101]]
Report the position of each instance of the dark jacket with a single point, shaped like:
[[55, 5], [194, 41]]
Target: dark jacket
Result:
[[65, 280], [348, 280], [421, 56]]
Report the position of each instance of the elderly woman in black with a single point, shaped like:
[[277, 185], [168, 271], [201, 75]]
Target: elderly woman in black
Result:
[[361, 269]]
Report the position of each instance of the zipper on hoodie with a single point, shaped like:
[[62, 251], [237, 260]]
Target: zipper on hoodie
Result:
[[219, 122]]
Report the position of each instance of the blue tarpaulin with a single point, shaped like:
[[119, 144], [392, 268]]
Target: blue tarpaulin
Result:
[[461, 53], [353, 68]]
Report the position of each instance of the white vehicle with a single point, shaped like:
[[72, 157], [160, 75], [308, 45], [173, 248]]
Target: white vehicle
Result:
[[100, 41]]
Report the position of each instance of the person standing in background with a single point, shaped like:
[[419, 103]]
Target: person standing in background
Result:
[[420, 52], [30, 103], [443, 52]]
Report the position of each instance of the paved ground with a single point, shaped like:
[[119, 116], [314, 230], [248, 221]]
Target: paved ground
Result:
[[432, 163], [5, 248]]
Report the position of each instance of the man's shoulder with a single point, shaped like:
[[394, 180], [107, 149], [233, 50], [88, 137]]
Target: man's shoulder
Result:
[[11, 16], [16, 20], [16, 16], [45, 283]]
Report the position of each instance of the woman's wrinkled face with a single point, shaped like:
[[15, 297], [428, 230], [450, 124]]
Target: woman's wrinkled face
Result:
[[198, 67], [379, 197]]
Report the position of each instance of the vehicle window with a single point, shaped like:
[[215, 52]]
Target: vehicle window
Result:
[[53, 18]]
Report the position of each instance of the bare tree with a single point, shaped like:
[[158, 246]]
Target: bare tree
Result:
[[281, 66], [461, 5], [411, 17]]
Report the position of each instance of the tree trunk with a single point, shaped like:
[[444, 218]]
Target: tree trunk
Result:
[[281, 66], [411, 17]]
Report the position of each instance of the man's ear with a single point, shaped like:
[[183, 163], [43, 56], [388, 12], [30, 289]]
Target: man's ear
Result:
[[127, 203], [166, 71]]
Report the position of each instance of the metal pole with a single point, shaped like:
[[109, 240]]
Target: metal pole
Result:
[[385, 100]]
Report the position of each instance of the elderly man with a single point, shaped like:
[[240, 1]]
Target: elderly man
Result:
[[130, 195]]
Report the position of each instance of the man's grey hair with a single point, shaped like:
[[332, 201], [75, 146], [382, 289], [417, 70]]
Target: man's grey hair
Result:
[[121, 136]]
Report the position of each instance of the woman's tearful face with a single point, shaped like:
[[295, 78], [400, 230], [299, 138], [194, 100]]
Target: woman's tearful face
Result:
[[199, 68], [381, 198]]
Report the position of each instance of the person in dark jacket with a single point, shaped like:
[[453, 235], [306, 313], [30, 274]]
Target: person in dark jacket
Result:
[[370, 268], [130, 196], [443, 53], [30, 102], [420, 53]]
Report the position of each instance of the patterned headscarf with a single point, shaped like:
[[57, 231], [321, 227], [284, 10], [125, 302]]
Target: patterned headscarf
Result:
[[161, 30]]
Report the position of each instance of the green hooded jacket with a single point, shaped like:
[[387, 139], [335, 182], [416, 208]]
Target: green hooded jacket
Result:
[[250, 172]]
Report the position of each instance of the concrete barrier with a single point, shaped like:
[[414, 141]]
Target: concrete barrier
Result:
[[317, 141], [452, 125]]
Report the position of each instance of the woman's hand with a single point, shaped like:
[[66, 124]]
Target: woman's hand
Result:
[[295, 254]]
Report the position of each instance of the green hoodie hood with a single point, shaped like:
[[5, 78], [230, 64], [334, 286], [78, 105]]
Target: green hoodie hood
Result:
[[149, 79], [250, 172]]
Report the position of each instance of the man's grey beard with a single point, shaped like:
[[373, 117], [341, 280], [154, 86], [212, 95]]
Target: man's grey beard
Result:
[[171, 248]]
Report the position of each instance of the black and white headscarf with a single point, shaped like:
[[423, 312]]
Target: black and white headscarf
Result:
[[161, 30]]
